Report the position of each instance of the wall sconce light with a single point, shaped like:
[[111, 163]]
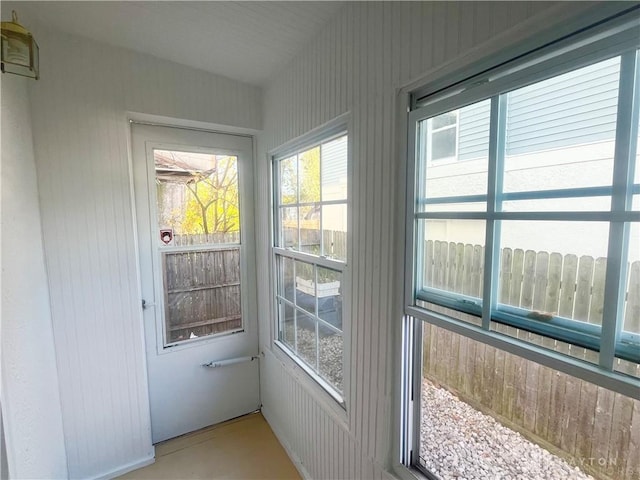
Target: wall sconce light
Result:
[[19, 50]]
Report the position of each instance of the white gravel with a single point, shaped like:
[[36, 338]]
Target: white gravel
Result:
[[330, 354], [459, 442]]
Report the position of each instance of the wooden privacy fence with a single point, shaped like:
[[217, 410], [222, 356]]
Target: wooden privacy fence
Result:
[[592, 427], [565, 285], [202, 288], [334, 241]]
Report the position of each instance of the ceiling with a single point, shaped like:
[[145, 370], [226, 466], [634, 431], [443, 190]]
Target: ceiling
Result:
[[246, 41]]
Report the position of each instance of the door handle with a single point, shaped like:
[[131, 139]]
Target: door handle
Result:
[[231, 361], [146, 305]]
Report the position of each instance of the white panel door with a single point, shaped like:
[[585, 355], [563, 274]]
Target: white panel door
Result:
[[194, 213]]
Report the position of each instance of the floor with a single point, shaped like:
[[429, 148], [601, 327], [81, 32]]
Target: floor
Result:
[[243, 449]]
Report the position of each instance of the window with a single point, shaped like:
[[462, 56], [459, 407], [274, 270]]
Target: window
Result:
[[532, 245], [310, 255]]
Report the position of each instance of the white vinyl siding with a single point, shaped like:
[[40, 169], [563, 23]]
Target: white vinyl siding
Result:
[[560, 113], [565, 111], [474, 132]]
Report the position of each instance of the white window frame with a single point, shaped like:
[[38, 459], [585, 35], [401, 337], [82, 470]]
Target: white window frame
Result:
[[324, 134], [613, 37]]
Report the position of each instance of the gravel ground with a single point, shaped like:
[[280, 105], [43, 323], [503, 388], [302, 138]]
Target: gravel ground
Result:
[[459, 442], [330, 355]]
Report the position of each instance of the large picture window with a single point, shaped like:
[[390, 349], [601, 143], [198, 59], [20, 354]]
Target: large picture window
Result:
[[530, 246], [310, 255]]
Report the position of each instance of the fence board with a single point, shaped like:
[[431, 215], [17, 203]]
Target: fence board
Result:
[[531, 395], [452, 365], [553, 284], [462, 362], [583, 288], [505, 276], [555, 424], [499, 381], [528, 279], [478, 367], [467, 288], [452, 267], [571, 401], [519, 400], [427, 274], [568, 285], [541, 281], [620, 434], [586, 416], [543, 411], [488, 376], [602, 421], [471, 360], [597, 291], [444, 255], [460, 267], [477, 270], [632, 311], [633, 461], [516, 277]]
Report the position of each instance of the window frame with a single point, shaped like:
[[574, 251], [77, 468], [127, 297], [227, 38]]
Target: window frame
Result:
[[333, 130], [550, 61]]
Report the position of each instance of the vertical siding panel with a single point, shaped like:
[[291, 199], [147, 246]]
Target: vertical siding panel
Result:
[[369, 107], [359, 157]]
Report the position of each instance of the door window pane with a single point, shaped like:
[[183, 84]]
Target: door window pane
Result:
[[197, 197], [202, 291]]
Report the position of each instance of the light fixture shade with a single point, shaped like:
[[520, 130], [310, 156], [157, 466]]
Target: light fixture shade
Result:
[[19, 50]]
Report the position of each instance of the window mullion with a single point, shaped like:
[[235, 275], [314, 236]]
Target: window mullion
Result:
[[497, 136], [612, 314]]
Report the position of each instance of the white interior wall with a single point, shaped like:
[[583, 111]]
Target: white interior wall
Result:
[[357, 65], [81, 139], [30, 401]]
